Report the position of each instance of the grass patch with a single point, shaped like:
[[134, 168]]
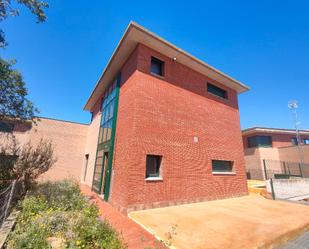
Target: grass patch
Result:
[[57, 215]]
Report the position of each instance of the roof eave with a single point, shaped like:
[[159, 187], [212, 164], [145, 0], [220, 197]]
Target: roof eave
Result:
[[237, 85]]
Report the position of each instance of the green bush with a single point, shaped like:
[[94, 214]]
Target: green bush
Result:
[[56, 215]]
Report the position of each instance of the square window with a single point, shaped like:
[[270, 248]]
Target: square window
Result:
[[157, 66], [153, 164], [222, 166]]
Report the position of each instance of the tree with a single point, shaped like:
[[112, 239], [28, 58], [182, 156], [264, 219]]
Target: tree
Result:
[[13, 94], [6, 9]]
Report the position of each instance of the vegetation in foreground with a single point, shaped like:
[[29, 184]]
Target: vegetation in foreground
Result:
[[56, 215]]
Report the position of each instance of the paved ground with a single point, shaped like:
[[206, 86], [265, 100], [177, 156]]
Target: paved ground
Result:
[[301, 242], [245, 222], [133, 234]]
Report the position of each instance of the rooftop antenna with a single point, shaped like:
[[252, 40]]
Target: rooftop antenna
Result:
[[293, 105]]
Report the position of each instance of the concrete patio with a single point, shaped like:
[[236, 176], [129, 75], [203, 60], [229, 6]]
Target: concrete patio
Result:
[[245, 222]]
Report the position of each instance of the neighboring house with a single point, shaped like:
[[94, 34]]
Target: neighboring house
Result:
[[165, 127], [68, 139], [275, 146]]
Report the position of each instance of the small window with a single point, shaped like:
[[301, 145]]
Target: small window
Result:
[[157, 66], [222, 166], [294, 141], [216, 91], [153, 164], [259, 141], [86, 166], [6, 127]]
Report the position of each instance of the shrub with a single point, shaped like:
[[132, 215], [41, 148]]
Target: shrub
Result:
[[56, 213], [25, 163]]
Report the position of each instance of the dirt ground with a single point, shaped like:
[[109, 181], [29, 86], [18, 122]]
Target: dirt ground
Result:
[[245, 222]]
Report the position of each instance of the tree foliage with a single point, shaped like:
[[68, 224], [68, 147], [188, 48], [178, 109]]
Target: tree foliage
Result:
[[37, 7], [13, 94]]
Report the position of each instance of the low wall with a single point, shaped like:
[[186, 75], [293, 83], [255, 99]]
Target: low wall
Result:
[[68, 139], [289, 188], [291, 153]]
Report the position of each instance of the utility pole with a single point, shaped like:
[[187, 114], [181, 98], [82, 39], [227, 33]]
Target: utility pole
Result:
[[293, 105]]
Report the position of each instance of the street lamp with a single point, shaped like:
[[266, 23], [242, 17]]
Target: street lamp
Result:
[[293, 105]]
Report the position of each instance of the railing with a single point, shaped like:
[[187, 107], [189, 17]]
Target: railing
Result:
[[285, 170], [6, 201], [278, 169]]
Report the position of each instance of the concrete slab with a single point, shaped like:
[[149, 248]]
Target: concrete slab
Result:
[[302, 242], [245, 222]]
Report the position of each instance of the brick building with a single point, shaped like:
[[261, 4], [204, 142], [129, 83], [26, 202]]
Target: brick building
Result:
[[68, 140], [276, 146], [165, 127]]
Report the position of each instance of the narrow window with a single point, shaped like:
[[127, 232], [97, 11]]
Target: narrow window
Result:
[[153, 164], [216, 91], [6, 127], [259, 141], [157, 66], [86, 166], [222, 166]]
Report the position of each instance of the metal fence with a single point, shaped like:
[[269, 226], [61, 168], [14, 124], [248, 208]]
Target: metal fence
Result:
[[9, 196], [278, 170], [285, 170]]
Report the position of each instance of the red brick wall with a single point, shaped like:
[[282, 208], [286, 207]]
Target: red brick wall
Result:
[[279, 140], [161, 117]]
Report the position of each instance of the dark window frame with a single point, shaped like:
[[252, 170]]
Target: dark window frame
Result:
[[160, 64], [217, 91], [6, 127], [222, 166], [151, 159], [294, 141], [306, 141], [257, 142]]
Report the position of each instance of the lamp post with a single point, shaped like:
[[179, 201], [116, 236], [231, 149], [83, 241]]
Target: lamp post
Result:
[[293, 105]]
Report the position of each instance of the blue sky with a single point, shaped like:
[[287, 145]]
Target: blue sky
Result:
[[264, 44]]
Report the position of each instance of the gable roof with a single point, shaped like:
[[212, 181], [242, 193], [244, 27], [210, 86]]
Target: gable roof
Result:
[[135, 34], [254, 130]]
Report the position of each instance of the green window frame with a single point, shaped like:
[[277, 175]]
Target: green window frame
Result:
[[103, 164]]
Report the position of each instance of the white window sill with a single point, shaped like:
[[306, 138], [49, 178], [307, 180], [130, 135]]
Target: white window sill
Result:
[[223, 173], [154, 179]]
